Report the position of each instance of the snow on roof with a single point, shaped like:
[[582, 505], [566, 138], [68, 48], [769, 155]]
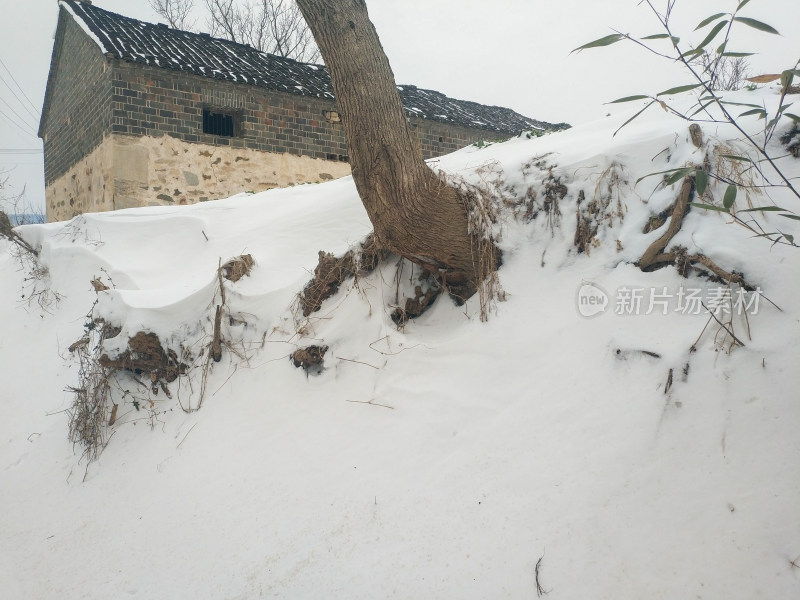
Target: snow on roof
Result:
[[200, 54]]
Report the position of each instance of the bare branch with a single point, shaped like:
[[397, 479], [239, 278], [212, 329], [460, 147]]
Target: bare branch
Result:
[[273, 26], [177, 13]]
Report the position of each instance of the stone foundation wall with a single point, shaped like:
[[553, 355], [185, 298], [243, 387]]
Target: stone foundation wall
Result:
[[126, 171], [165, 170], [87, 186]]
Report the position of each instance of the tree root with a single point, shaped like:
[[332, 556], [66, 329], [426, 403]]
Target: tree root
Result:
[[653, 253], [655, 257]]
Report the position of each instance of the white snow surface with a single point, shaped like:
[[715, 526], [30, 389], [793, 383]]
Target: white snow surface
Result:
[[444, 460]]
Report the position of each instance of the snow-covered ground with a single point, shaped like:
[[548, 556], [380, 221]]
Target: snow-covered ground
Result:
[[444, 460]]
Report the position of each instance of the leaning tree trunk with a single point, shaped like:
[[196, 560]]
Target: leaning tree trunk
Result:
[[414, 213]]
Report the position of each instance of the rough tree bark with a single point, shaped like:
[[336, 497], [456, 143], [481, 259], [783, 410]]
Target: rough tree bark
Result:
[[414, 213]]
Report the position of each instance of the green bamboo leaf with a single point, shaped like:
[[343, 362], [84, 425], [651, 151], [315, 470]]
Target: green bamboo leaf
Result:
[[661, 173], [786, 78], [709, 207], [784, 107], [730, 197], [742, 104], [773, 122], [662, 36], [692, 53], [736, 157], [628, 99], [649, 104], [708, 20], [738, 54], [795, 217], [677, 175], [603, 41], [712, 34], [702, 108], [756, 111], [722, 46], [762, 209], [700, 181], [741, 4], [793, 117], [680, 89], [789, 237], [757, 25]]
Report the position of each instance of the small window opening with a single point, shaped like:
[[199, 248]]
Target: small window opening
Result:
[[441, 139], [218, 123]]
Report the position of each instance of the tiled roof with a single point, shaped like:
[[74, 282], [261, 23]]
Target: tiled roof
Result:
[[200, 54]]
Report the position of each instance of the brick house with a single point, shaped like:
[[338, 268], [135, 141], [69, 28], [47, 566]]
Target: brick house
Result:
[[138, 114]]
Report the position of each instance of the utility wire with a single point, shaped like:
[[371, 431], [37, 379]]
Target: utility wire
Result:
[[17, 125], [13, 93], [20, 88], [20, 151], [22, 119]]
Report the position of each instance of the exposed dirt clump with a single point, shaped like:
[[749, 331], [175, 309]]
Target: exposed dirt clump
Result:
[[791, 139], [657, 221], [417, 305], [332, 271], [146, 355], [309, 358], [238, 267]]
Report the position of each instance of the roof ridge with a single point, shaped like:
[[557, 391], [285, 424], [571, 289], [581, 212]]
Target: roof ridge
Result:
[[88, 6], [161, 46]]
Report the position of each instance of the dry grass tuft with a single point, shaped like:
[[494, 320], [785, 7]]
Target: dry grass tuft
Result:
[[602, 210], [238, 267]]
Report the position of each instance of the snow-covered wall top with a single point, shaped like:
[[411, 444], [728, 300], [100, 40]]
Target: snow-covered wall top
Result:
[[200, 54]]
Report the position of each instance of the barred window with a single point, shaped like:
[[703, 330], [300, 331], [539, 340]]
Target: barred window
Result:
[[218, 123]]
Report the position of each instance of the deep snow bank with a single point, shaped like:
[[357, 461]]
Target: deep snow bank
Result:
[[440, 461]]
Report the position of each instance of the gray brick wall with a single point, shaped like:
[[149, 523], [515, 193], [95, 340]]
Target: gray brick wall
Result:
[[79, 107], [91, 96], [152, 101]]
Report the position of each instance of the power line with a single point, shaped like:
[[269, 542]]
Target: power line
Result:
[[13, 93], [17, 125], [22, 119], [20, 151], [20, 88]]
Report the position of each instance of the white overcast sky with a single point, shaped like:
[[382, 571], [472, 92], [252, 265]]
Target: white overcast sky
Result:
[[513, 53]]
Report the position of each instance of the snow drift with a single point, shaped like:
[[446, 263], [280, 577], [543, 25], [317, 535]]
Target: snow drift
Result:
[[599, 437]]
